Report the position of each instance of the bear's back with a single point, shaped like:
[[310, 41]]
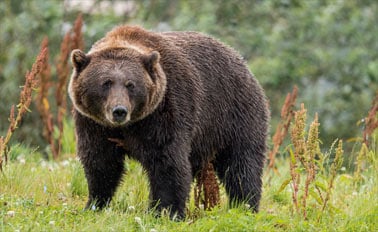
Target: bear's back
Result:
[[223, 73], [215, 75], [230, 92]]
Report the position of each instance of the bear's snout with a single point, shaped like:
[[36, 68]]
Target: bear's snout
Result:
[[119, 114]]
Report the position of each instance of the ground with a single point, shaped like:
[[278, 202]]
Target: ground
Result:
[[48, 196]]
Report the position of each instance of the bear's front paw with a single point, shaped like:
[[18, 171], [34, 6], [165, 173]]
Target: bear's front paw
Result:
[[96, 205]]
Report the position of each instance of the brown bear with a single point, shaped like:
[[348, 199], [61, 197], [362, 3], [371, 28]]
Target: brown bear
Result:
[[176, 100]]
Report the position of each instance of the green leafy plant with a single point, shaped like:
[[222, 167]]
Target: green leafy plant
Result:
[[308, 162]]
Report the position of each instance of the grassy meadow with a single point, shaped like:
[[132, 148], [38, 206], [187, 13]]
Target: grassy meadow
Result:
[[308, 186], [40, 195]]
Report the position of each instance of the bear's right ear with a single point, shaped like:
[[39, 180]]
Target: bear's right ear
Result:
[[79, 60], [150, 62]]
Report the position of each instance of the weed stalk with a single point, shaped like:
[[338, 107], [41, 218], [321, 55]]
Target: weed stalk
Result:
[[208, 185], [31, 83], [371, 121], [287, 113], [73, 39], [335, 166]]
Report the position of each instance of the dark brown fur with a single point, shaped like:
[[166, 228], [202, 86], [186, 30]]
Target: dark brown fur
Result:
[[192, 100]]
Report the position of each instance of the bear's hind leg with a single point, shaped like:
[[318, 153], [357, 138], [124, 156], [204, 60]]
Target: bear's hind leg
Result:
[[170, 185], [240, 170]]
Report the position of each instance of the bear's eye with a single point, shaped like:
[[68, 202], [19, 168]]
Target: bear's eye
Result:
[[130, 85], [107, 84]]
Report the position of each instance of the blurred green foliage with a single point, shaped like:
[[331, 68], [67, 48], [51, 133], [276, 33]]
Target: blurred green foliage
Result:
[[328, 48]]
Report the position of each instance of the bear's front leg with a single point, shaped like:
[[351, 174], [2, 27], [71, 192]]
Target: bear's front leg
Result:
[[103, 160], [103, 176], [170, 180]]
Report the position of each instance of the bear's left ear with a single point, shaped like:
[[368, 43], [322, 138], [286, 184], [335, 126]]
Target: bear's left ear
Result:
[[79, 60], [150, 61]]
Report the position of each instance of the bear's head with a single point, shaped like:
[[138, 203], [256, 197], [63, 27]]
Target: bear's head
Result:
[[116, 86]]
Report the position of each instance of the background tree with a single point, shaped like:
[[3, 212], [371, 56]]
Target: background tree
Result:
[[327, 48]]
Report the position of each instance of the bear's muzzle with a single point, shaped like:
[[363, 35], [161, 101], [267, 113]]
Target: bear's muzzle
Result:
[[119, 114]]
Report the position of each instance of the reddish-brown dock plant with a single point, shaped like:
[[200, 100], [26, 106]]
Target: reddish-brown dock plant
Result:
[[16, 115], [287, 114]]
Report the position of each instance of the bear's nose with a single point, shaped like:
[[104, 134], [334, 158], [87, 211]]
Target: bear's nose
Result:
[[119, 113]]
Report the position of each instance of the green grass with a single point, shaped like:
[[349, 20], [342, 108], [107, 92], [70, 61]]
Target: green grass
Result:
[[38, 195]]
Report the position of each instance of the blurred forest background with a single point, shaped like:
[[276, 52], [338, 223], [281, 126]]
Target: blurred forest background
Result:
[[328, 48]]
